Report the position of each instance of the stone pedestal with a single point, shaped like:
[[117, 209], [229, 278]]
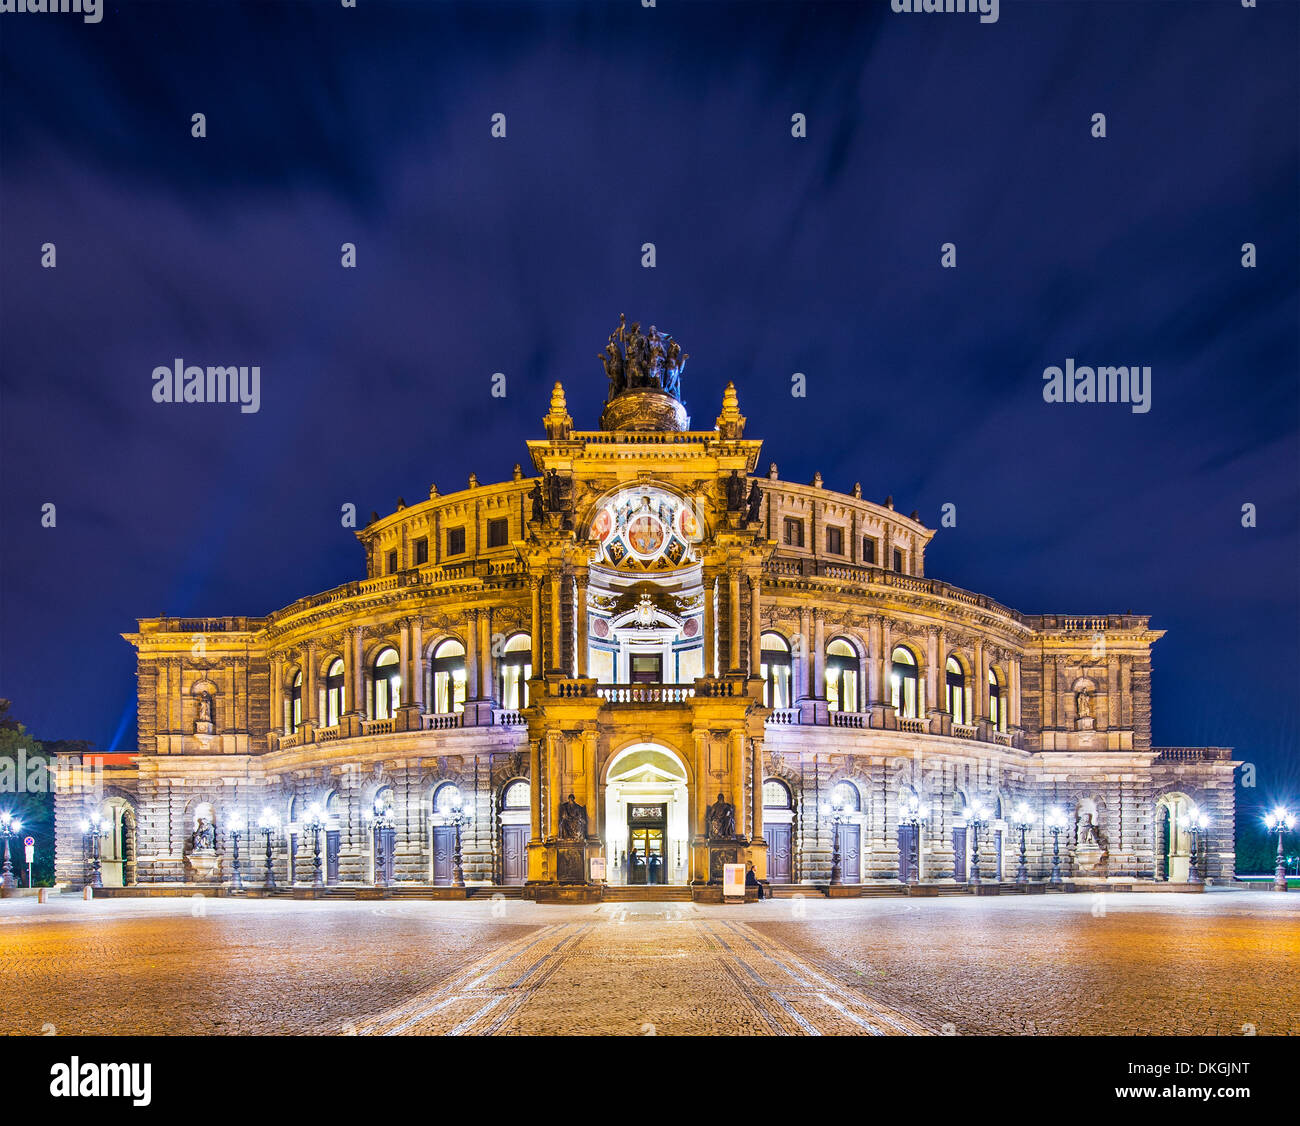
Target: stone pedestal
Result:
[[203, 866], [1090, 860], [723, 852], [571, 862]]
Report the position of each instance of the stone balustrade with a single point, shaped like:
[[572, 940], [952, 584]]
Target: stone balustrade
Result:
[[645, 693]]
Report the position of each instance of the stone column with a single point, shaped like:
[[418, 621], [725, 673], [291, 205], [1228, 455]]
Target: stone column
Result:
[[710, 626], [736, 770], [1013, 687], [535, 788], [756, 792], [981, 675], [352, 670], [471, 655], [310, 705], [874, 668], [404, 660], [487, 685], [799, 659], [278, 724], [580, 625], [733, 632], [818, 686], [934, 658], [557, 646], [417, 664], [535, 587], [755, 627]]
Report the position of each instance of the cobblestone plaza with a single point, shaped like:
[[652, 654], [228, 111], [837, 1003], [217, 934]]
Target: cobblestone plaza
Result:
[[1065, 965]]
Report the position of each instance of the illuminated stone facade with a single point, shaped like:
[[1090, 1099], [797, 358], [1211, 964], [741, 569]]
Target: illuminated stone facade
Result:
[[647, 622]]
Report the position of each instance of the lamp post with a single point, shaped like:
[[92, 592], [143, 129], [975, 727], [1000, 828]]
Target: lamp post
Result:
[[835, 810], [383, 819], [235, 822], [9, 826], [92, 831], [1056, 823], [977, 816], [913, 815], [1280, 821], [268, 825], [1022, 817], [460, 815], [314, 824], [1197, 823]]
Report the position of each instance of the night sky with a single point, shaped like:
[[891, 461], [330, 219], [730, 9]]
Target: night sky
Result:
[[775, 255]]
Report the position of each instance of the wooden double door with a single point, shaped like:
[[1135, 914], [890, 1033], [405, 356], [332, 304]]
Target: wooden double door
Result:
[[780, 849], [514, 854], [850, 842]]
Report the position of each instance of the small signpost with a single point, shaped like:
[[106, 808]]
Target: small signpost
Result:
[[29, 847], [597, 869], [733, 882]]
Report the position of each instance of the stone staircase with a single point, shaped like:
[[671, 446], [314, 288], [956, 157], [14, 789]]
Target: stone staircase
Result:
[[655, 893]]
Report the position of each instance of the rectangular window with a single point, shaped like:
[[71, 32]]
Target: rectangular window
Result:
[[793, 532], [498, 533], [898, 560], [422, 551], [868, 550], [835, 541], [455, 541], [392, 562]]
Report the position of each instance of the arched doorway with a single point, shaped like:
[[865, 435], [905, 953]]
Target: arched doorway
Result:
[[516, 804], [647, 817], [778, 830], [117, 851], [1174, 841]]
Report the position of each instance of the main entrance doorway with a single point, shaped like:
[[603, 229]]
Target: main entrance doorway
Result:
[[647, 829], [646, 836]]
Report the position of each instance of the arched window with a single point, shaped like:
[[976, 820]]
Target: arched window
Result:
[[448, 668], [334, 702], [956, 681], [517, 795], [997, 702], [383, 799], [841, 676], [776, 794], [295, 701], [446, 798], [516, 668], [903, 683], [845, 795], [775, 670], [388, 685]]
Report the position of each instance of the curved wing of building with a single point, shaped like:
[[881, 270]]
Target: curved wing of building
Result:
[[640, 662]]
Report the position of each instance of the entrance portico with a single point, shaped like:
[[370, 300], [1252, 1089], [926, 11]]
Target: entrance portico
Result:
[[647, 813]]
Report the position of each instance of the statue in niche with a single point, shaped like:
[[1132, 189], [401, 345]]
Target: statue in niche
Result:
[[735, 492], [539, 508], [205, 712], [720, 819], [573, 821], [1083, 704], [205, 836], [754, 503], [1090, 831], [554, 491]]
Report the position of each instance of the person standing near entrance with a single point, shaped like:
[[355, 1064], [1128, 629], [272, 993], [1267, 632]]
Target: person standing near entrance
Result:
[[632, 861], [654, 868]]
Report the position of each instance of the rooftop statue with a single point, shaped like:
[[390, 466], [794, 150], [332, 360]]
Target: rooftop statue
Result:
[[636, 360]]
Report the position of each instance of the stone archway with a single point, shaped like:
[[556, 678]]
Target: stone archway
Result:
[[1173, 844], [646, 815]]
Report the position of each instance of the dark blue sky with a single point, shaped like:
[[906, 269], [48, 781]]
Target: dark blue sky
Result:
[[775, 255]]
